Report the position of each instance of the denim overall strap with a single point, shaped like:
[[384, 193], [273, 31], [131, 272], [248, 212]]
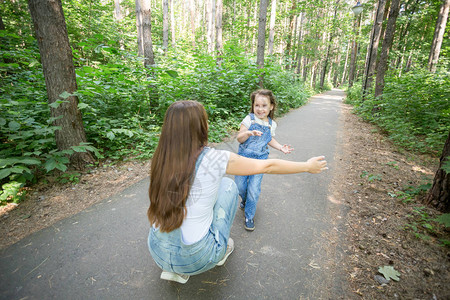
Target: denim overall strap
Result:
[[256, 146], [200, 158]]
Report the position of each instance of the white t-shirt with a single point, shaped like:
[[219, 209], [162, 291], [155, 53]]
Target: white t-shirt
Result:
[[248, 121], [203, 195]]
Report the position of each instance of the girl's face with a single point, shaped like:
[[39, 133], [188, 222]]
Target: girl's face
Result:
[[262, 107]]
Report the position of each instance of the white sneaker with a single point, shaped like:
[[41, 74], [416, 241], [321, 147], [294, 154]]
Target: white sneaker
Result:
[[180, 278], [230, 248]]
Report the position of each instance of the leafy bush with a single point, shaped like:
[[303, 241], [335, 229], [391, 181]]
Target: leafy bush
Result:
[[414, 109], [123, 104]]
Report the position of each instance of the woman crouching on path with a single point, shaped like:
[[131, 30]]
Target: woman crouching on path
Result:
[[192, 204]]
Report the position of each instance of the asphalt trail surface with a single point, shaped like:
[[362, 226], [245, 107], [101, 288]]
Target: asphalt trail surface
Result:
[[101, 253]]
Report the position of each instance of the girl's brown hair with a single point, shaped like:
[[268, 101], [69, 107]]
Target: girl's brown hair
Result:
[[265, 93], [184, 133]]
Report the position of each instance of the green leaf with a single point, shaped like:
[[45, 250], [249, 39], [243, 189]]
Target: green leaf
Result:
[[30, 161], [50, 164], [82, 105], [33, 63], [13, 125], [172, 73], [79, 148], [5, 173], [65, 95], [443, 219], [110, 135], [2, 122], [446, 165], [56, 104], [389, 272]]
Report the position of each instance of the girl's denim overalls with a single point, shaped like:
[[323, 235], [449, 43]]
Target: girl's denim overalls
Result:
[[254, 147], [171, 254]]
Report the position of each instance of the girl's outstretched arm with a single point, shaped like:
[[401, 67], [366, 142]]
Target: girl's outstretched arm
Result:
[[239, 165], [244, 134], [283, 148]]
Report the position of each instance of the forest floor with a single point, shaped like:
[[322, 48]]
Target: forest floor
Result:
[[380, 228]]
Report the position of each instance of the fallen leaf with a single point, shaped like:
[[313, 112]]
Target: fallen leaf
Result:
[[389, 272]]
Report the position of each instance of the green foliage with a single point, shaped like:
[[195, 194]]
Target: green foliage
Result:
[[409, 193], [122, 103], [414, 109], [424, 226], [12, 192], [443, 219], [73, 177], [446, 165], [371, 177]]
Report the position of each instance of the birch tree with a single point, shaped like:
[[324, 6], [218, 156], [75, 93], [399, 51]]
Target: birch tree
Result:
[[373, 47], [143, 17], [387, 43], [438, 35], [172, 22], [165, 25], [273, 14], [219, 43], [261, 36]]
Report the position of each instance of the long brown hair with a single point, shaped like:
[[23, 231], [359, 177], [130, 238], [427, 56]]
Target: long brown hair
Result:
[[184, 133], [265, 93]]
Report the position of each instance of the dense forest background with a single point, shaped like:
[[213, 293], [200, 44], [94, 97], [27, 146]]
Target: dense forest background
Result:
[[132, 59]]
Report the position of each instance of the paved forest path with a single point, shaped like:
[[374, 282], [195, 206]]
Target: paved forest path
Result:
[[101, 253]]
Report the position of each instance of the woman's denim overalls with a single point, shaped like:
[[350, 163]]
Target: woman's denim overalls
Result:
[[171, 254], [254, 147]]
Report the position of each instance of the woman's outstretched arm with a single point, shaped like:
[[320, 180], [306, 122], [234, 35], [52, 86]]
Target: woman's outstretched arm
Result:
[[239, 165]]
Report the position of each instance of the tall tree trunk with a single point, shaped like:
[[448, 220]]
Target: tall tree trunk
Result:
[[291, 28], [305, 68], [373, 49], [273, 15], [353, 56], [439, 194], [209, 25], [255, 17], [327, 56], [117, 11], [59, 73], [192, 7], [145, 6], [387, 43], [172, 22], [247, 31], [165, 25], [213, 24], [139, 22], [119, 17], [2, 25], [344, 72], [438, 36], [387, 8], [261, 37], [219, 43], [299, 44]]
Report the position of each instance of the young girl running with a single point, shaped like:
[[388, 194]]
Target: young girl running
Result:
[[257, 131]]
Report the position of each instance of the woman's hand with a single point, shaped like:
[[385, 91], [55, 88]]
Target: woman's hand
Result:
[[317, 164]]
